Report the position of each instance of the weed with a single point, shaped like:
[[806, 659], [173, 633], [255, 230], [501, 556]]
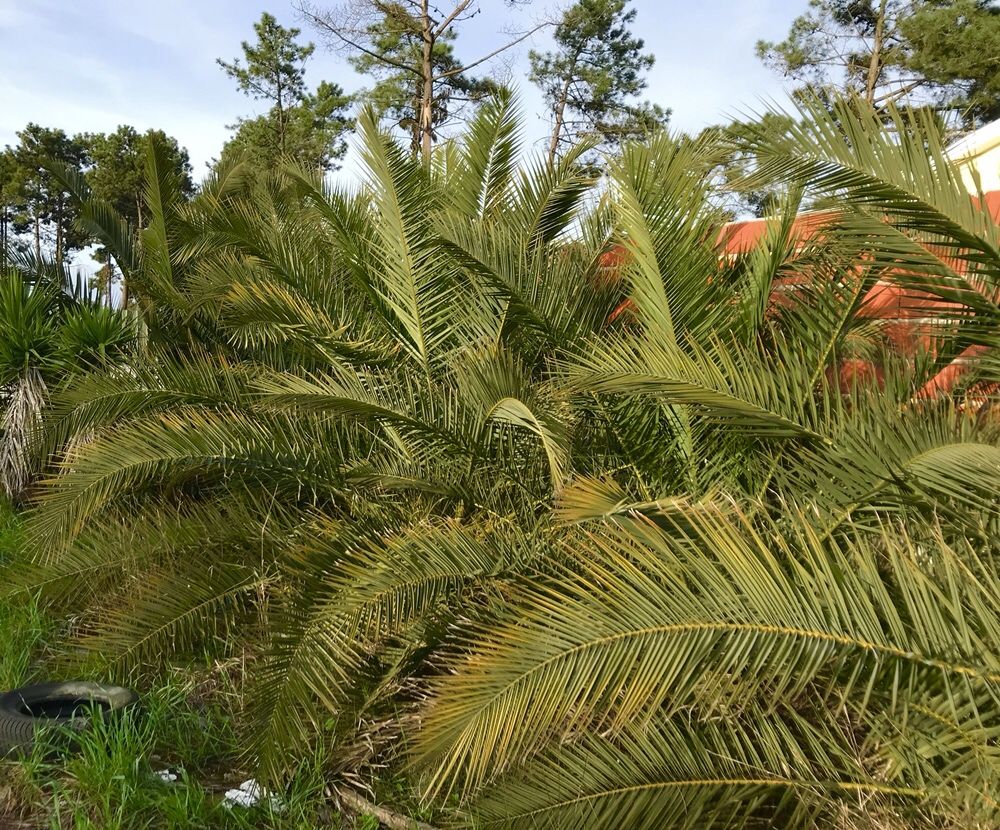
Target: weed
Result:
[[10, 531], [23, 629], [106, 777]]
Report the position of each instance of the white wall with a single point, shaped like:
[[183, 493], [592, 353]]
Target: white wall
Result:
[[979, 153]]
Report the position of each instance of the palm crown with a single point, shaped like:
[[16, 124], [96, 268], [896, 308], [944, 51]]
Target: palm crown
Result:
[[646, 569]]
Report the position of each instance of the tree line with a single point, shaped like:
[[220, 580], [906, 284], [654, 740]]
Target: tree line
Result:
[[419, 87], [938, 55], [35, 204]]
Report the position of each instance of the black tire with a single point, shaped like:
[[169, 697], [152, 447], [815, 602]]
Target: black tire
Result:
[[25, 712]]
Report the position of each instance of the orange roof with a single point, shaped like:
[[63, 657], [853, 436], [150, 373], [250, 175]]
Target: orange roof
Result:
[[907, 311], [992, 200], [740, 237]]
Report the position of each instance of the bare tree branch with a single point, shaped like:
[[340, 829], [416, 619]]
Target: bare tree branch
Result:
[[359, 805], [321, 22], [894, 94], [461, 7], [460, 69]]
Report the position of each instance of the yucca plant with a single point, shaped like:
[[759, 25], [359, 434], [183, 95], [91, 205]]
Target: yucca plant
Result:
[[401, 448], [50, 330]]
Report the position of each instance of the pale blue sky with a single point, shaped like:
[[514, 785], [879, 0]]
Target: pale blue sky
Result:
[[89, 65]]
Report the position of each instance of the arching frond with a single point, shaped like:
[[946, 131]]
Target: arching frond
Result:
[[478, 185], [360, 591], [703, 619], [906, 204], [753, 769]]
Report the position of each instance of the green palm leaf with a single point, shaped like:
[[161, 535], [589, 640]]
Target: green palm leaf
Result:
[[751, 769], [656, 620]]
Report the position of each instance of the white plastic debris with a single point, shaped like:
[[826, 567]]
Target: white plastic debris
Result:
[[250, 794], [167, 776]]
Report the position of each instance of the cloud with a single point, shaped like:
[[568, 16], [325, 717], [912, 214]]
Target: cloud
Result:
[[89, 65], [706, 69]]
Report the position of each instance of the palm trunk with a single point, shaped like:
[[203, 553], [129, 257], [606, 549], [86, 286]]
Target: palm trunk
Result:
[[19, 424]]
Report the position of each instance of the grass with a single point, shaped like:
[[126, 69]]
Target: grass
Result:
[[22, 625], [108, 778]]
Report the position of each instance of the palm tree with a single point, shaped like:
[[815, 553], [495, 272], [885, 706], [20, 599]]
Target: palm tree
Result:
[[657, 570], [778, 640], [306, 368]]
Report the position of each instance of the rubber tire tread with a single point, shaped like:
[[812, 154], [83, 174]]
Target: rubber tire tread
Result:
[[19, 731]]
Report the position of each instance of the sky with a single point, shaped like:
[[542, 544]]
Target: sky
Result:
[[90, 65]]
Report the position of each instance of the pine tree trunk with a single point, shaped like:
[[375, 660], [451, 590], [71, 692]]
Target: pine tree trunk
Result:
[[59, 236], [138, 213], [560, 114], [418, 94], [427, 94], [38, 241], [281, 118], [875, 64]]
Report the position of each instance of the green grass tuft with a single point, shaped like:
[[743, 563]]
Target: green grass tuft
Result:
[[107, 778]]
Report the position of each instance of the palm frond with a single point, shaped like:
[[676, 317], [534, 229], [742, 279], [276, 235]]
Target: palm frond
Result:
[[896, 193], [755, 769], [357, 592], [478, 185], [654, 620], [669, 228], [727, 385]]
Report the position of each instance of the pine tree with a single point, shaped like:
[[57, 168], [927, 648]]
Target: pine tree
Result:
[[8, 201], [956, 47], [117, 173], [397, 94], [943, 54], [307, 126], [41, 207], [591, 80], [407, 46]]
